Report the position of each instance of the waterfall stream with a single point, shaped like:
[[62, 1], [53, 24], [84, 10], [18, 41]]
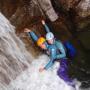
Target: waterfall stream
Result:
[[14, 57]]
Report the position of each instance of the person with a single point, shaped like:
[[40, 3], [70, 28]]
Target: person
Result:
[[70, 49], [51, 49], [41, 41], [57, 53]]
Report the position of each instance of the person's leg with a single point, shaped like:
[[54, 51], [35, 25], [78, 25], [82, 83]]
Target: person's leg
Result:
[[63, 70]]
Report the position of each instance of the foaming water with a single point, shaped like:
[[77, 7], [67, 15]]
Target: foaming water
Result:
[[32, 79], [14, 59]]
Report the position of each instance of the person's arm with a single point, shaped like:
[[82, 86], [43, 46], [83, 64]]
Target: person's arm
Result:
[[46, 27], [31, 33], [62, 50], [52, 58]]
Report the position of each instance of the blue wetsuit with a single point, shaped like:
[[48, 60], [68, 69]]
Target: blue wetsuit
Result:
[[57, 52], [33, 35]]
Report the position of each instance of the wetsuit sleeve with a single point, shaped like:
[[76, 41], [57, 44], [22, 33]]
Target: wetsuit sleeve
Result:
[[33, 35], [52, 58], [61, 49], [46, 28]]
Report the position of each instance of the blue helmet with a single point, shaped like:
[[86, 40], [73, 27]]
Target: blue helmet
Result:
[[49, 36]]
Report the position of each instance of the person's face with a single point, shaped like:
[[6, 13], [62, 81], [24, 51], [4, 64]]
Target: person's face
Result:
[[43, 46], [51, 41]]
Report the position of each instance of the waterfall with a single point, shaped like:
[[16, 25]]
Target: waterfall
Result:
[[19, 70], [13, 56]]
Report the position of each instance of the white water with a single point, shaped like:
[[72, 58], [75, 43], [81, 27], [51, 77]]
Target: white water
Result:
[[13, 57], [32, 79]]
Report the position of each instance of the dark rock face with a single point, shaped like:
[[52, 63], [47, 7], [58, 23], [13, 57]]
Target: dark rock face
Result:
[[8, 7], [70, 21]]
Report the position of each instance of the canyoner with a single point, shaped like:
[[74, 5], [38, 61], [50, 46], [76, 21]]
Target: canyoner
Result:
[[58, 53]]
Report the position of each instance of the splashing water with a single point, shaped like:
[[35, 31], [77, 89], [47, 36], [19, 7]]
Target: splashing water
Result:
[[14, 59], [32, 79]]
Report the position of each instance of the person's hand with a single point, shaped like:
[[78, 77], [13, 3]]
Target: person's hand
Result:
[[48, 52], [43, 22], [27, 30], [41, 69]]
